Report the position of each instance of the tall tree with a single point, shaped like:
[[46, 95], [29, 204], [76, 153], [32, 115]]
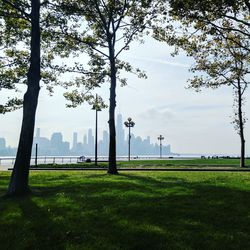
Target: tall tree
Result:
[[216, 34], [24, 21], [19, 178], [107, 27]]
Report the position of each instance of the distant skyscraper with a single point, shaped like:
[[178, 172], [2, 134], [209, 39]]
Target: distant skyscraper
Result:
[[90, 139], [74, 140], [104, 143], [105, 137], [120, 135], [2, 143], [38, 133], [58, 147], [85, 140], [56, 139], [119, 121], [119, 128]]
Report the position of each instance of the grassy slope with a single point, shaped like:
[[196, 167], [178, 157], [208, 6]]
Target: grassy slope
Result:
[[162, 210]]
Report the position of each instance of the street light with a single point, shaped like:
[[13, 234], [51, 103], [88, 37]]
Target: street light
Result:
[[96, 107], [129, 124], [160, 138]]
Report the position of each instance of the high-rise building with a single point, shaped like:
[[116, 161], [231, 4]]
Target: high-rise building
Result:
[[85, 140], [119, 128], [38, 133], [90, 139], [120, 135], [105, 137], [74, 140], [103, 145], [2, 143], [56, 139]]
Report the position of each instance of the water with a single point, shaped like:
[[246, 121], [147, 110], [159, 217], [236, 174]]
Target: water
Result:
[[8, 162]]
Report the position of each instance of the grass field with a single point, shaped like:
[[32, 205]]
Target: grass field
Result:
[[132, 210], [160, 163]]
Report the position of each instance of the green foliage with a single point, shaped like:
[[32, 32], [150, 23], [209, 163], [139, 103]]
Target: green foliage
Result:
[[103, 30], [15, 30], [10, 105], [92, 210], [216, 35], [13, 62]]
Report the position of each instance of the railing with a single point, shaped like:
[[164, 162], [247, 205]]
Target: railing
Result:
[[9, 161], [43, 160]]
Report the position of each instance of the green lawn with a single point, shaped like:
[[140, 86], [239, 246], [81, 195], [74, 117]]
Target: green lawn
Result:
[[161, 163], [132, 210], [181, 163]]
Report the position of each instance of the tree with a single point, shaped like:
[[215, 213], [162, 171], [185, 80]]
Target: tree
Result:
[[225, 64], [106, 30], [19, 178], [216, 34], [218, 16], [23, 23], [10, 68]]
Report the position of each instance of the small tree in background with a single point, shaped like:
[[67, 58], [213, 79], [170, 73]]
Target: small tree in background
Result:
[[225, 64], [216, 35]]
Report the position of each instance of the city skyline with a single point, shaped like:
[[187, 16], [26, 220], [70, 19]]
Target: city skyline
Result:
[[193, 123], [85, 146]]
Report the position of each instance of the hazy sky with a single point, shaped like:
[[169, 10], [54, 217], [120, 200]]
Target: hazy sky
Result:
[[190, 122]]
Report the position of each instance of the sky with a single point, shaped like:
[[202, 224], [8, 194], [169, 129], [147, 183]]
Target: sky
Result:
[[191, 122]]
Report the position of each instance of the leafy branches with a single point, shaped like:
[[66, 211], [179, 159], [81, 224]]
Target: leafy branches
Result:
[[216, 34], [104, 29]]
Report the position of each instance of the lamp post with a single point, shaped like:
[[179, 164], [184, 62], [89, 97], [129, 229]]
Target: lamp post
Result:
[[160, 138], [129, 124], [96, 107]]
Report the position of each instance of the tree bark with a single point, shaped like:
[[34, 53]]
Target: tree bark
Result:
[[241, 127], [112, 169], [20, 175]]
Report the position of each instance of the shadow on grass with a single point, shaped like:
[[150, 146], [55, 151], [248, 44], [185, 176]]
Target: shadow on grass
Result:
[[127, 211]]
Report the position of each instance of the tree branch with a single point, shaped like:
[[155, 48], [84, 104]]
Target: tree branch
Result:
[[17, 7]]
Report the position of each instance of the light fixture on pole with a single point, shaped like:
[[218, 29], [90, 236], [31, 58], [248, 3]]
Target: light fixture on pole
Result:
[[160, 138], [96, 107], [129, 124]]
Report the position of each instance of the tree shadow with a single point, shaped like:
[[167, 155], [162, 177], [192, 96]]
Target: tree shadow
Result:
[[128, 212], [27, 225]]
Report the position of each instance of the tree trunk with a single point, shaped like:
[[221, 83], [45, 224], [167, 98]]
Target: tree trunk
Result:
[[19, 179], [112, 169], [241, 127]]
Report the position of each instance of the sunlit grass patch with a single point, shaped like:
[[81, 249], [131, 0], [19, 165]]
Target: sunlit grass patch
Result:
[[132, 210]]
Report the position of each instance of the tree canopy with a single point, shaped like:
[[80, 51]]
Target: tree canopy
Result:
[[103, 30], [216, 35], [27, 28]]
